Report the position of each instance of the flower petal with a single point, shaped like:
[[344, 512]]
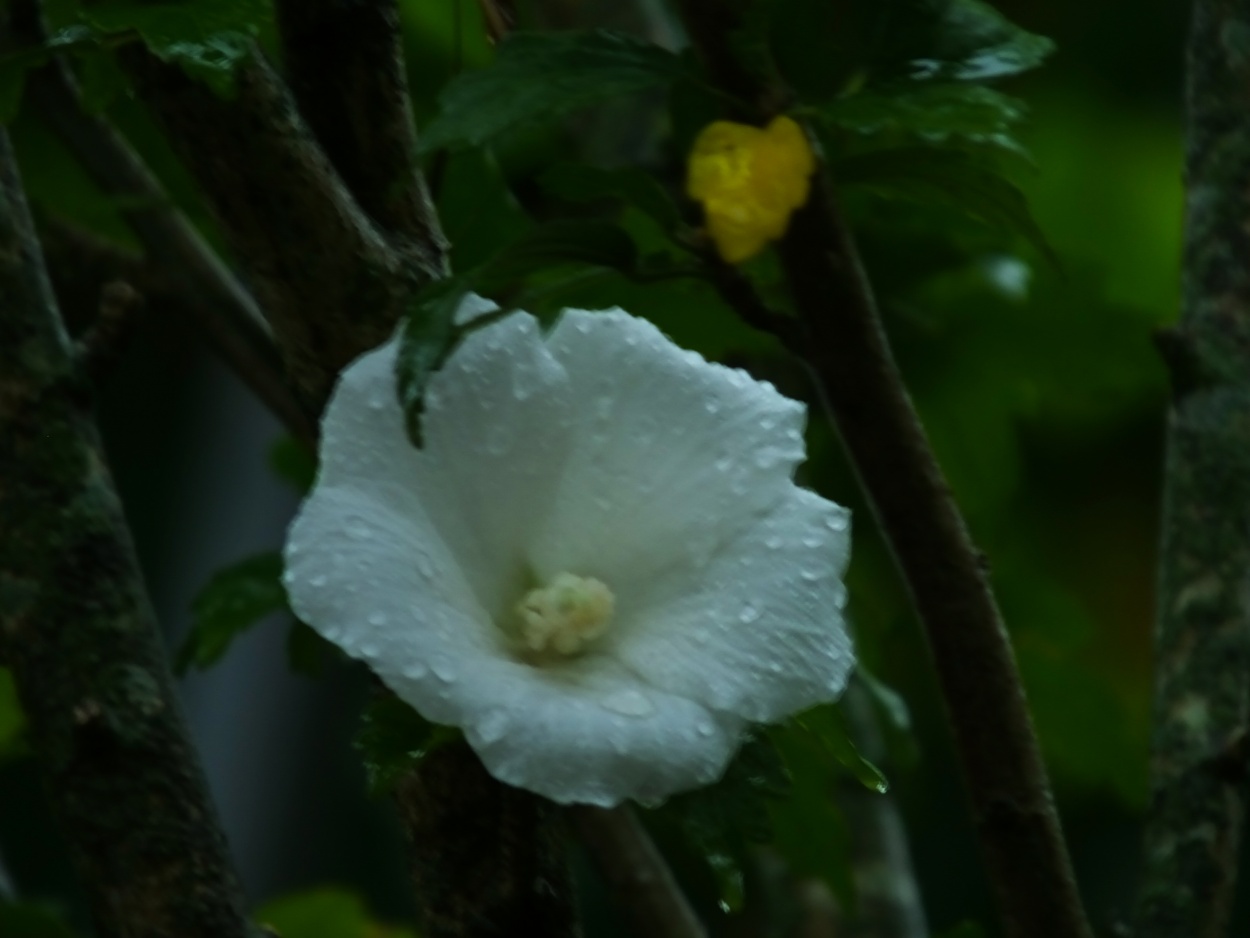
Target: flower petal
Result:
[[496, 437], [588, 732], [758, 632], [671, 456]]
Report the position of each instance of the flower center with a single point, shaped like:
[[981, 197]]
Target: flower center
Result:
[[566, 614]]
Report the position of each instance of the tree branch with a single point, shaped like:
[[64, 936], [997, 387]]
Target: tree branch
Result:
[[635, 871], [489, 859], [78, 633], [326, 277], [226, 312], [1200, 765], [1013, 809], [344, 62]]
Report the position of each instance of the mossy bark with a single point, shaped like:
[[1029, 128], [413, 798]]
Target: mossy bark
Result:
[[78, 633], [1200, 762]]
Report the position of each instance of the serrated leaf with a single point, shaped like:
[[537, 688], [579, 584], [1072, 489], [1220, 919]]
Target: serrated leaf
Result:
[[235, 599], [969, 115], [32, 920], [826, 727], [974, 42], [293, 463], [577, 182], [542, 76], [208, 38], [952, 177], [393, 738], [327, 912]]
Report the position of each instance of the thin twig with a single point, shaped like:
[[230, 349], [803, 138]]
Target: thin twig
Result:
[[1200, 765], [326, 276], [635, 871], [1013, 809], [344, 62], [78, 633], [226, 312]]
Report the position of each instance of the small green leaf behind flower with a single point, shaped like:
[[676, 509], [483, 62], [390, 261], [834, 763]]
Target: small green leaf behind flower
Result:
[[236, 598], [543, 76], [393, 738], [325, 912], [32, 920]]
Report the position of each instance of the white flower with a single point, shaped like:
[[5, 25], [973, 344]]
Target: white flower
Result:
[[598, 565]]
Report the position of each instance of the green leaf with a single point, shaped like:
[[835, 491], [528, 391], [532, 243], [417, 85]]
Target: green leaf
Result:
[[951, 177], [208, 38], [232, 601], [826, 728], [428, 337], [887, 700], [12, 81], [974, 42], [556, 244], [543, 76], [102, 81], [32, 920], [940, 114], [721, 821], [327, 912], [393, 738], [293, 463], [577, 182], [307, 652], [12, 719]]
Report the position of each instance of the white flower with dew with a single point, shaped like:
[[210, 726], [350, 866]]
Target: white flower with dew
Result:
[[598, 565]]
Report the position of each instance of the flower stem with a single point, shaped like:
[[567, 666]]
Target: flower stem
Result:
[[636, 872], [1026, 857]]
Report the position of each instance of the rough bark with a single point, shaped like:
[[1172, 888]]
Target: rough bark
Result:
[[327, 279], [78, 633], [489, 859], [843, 340], [344, 64], [635, 871], [1200, 765]]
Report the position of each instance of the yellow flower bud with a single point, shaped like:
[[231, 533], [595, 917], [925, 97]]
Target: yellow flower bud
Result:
[[749, 181]]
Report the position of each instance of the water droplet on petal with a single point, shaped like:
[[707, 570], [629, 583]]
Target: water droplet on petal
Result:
[[629, 702], [836, 522], [701, 636], [492, 727], [711, 406], [318, 581], [369, 650], [775, 667], [748, 614], [376, 403], [811, 576], [724, 464], [772, 542], [705, 728], [813, 540], [414, 671], [443, 671]]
